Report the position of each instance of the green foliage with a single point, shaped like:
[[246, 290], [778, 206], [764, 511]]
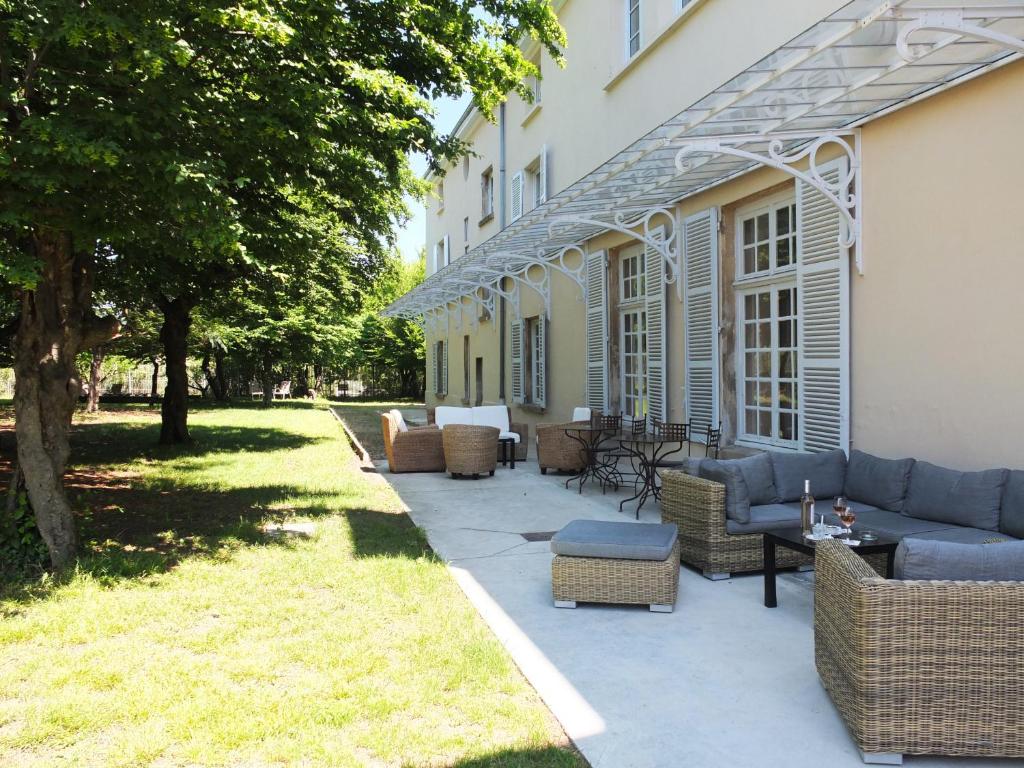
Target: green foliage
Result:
[[22, 549]]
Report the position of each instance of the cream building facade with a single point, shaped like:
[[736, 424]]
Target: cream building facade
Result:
[[800, 221]]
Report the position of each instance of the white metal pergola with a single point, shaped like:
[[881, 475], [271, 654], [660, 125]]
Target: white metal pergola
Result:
[[805, 99]]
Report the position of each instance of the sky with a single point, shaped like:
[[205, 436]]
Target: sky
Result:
[[413, 235]]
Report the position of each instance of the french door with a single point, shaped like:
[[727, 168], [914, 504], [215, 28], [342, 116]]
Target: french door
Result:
[[634, 362]]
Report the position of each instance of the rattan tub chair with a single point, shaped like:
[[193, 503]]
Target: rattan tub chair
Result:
[[557, 451], [697, 506], [520, 428], [418, 449], [470, 450], [920, 667]]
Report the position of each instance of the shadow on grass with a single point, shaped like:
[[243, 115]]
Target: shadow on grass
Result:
[[535, 757]]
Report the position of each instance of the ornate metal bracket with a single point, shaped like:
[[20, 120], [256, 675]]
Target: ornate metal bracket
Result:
[[961, 22], [838, 193]]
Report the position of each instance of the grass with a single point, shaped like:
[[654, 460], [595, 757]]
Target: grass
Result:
[[189, 636], [364, 420]]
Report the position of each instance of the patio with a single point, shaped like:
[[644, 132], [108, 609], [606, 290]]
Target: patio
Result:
[[720, 681]]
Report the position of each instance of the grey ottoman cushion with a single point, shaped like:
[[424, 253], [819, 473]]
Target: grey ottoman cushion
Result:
[[879, 482], [826, 471], [1011, 516], [759, 476], [970, 499], [737, 498], [927, 559], [624, 541], [767, 517], [963, 536]]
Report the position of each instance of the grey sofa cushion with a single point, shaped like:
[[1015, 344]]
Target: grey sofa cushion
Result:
[[625, 541], [963, 536], [970, 499], [767, 517], [879, 482], [928, 559], [760, 478], [826, 471], [894, 525], [737, 498], [1011, 515], [691, 465]]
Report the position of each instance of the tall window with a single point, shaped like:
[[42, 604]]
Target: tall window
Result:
[[486, 195], [440, 369], [632, 27], [465, 367], [533, 362], [767, 367], [534, 80], [633, 330]]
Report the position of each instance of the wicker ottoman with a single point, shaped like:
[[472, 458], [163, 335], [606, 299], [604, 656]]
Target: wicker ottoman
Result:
[[602, 562], [470, 450]]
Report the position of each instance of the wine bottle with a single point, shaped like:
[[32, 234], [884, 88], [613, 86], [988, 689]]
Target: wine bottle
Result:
[[807, 508]]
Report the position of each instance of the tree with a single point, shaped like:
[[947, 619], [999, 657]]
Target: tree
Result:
[[162, 130]]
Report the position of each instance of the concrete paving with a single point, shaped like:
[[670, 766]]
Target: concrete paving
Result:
[[722, 681]]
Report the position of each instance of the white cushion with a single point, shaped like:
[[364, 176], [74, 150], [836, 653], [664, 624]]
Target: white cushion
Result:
[[450, 414], [399, 420], [491, 416], [581, 414], [505, 435]]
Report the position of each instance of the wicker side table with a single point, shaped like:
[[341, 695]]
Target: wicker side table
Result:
[[470, 450]]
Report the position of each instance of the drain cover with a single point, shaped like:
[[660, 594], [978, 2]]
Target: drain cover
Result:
[[538, 535]]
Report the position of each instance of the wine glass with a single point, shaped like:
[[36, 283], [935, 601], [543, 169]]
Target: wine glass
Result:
[[847, 517]]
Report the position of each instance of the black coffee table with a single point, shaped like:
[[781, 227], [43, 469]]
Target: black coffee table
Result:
[[793, 538]]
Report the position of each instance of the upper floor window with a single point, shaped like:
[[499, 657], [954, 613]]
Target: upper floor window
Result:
[[486, 195], [767, 238], [632, 28], [439, 191], [681, 4], [534, 81]]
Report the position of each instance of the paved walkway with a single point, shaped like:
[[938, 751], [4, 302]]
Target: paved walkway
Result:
[[722, 681]]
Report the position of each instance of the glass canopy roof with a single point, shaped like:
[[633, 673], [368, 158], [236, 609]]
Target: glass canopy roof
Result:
[[863, 61]]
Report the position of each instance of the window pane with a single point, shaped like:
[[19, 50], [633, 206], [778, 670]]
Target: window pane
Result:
[[786, 333], [764, 397], [764, 335], [750, 392], [748, 260], [750, 364], [786, 426], [762, 227], [749, 305], [783, 256], [784, 303], [750, 338], [764, 423], [751, 426], [762, 257], [782, 221], [748, 231], [764, 307], [764, 364], [786, 394], [786, 365]]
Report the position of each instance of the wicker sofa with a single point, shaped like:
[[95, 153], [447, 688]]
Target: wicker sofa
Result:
[[416, 449], [896, 497], [920, 667], [456, 415]]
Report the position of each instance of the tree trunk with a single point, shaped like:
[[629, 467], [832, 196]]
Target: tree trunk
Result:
[[154, 392], [95, 368], [215, 375], [268, 381], [174, 335], [56, 323]]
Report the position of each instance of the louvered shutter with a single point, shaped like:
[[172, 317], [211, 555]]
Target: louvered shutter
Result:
[[444, 367], [517, 361], [432, 366], [655, 303], [823, 288], [540, 362], [517, 196], [447, 251], [597, 332], [700, 296], [542, 176]]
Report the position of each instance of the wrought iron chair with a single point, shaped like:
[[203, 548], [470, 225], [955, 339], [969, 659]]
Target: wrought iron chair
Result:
[[712, 438], [671, 432]]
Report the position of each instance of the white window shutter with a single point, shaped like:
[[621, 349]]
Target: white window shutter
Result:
[[823, 289], [516, 348], [655, 303], [517, 196], [444, 368], [540, 362], [432, 366], [597, 332], [447, 251], [542, 176], [700, 308]]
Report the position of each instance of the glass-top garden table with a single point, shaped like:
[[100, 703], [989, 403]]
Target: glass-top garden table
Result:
[[647, 452], [592, 441]]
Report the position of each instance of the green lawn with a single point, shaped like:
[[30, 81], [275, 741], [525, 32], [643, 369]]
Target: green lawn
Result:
[[189, 636], [364, 420]]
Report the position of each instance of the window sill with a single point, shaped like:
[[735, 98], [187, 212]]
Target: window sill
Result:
[[657, 40], [485, 220], [534, 109], [440, 209], [766, 446], [532, 408]]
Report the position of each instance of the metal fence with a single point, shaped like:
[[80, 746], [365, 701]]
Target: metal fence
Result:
[[131, 383]]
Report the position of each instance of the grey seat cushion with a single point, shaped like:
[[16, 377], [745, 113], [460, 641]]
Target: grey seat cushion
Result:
[[760, 478], [826, 471], [879, 482], [894, 525], [737, 498], [767, 517], [1011, 515], [963, 536], [625, 541], [929, 559], [970, 499]]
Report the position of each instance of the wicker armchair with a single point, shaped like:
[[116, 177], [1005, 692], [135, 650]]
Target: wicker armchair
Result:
[[470, 450], [697, 506], [419, 449], [556, 450], [520, 428], [920, 667]]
